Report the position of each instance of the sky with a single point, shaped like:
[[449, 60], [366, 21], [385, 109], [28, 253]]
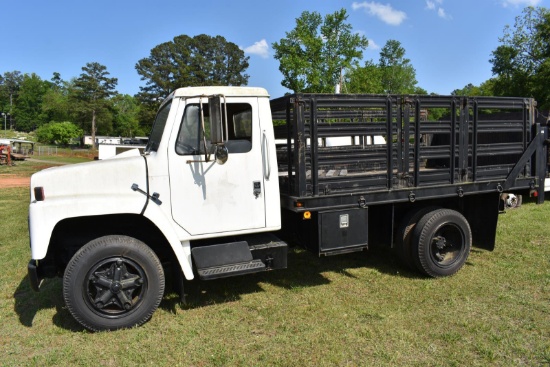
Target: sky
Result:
[[449, 42]]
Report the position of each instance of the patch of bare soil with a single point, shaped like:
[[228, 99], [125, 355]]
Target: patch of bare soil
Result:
[[14, 181]]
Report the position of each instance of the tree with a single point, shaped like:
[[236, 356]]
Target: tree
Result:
[[313, 55], [398, 75], [10, 83], [92, 91], [521, 62], [28, 107], [126, 115], [60, 133], [543, 72], [191, 61], [484, 89], [513, 78], [394, 74], [56, 105], [364, 79]]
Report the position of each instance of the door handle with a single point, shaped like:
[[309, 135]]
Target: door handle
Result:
[[267, 164]]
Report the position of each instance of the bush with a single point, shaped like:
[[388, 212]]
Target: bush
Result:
[[59, 133]]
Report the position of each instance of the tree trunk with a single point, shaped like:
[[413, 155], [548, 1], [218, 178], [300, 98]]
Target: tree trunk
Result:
[[93, 130]]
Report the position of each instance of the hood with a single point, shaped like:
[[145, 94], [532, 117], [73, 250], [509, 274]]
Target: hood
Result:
[[98, 178]]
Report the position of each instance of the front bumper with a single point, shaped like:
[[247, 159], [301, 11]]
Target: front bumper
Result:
[[34, 275]]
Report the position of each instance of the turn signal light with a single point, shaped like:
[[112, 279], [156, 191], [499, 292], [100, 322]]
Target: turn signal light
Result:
[[39, 193], [307, 215]]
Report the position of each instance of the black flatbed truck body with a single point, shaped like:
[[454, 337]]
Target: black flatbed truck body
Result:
[[396, 152]]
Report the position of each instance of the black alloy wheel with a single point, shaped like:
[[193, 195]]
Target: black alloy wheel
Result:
[[113, 282]]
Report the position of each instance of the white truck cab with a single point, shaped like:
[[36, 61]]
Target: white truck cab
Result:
[[208, 175]]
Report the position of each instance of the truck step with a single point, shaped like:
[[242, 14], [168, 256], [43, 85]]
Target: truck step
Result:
[[268, 248], [225, 260], [254, 253], [231, 270]]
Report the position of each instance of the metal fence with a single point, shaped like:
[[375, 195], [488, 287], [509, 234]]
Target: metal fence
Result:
[[45, 150]]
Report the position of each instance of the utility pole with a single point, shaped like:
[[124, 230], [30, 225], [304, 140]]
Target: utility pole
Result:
[[5, 115]]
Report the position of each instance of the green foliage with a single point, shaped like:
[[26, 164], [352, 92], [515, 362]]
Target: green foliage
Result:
[[191, 61], [398, 75], [58, 133], [521, 63], [126, 116], [364, 79], [10, 83], [92, 92], [94, 86], [314, 53], [28, 109], [394, 74], [146, 116], [56, 105], [186, 61], [419, 90], [485, 89]]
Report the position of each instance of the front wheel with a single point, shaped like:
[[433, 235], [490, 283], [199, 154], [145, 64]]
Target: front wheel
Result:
[[443, 240], [113, 282]]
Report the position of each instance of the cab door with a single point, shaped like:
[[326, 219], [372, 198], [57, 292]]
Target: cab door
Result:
[[208, 197]]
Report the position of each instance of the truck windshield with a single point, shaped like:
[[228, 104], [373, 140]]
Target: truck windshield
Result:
[[158, 128]]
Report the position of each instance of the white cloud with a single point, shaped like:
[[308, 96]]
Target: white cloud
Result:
[[384, 12], [260, 48], [432, 5], [373, 45], [520, 3], [442, 14]]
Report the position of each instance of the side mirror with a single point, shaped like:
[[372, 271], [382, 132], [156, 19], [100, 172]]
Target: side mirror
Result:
[[221, 154], [216, 119]]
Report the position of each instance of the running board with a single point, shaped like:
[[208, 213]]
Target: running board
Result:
[[224, 271], [225, 260]]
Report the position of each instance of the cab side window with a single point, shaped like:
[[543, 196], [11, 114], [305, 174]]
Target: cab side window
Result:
[[191, 140], [189, 136]]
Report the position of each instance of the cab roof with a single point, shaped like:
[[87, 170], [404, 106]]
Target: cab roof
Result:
[[226, 91]]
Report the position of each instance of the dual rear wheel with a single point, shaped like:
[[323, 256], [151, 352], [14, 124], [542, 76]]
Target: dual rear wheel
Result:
[[434, 241]]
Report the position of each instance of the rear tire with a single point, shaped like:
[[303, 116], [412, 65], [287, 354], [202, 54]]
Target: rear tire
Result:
[[443, 240], [404, 235], [113, 282]]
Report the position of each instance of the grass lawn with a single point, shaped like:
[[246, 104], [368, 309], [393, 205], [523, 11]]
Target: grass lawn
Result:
[[361, 309]]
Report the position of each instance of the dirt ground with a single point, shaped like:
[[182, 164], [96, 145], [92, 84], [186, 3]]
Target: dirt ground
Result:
[[14, 181]]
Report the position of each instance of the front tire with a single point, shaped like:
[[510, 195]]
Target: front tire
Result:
[[113, 282]]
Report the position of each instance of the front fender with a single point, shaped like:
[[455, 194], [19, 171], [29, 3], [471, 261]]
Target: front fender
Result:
[[182, 249], [44, 215]]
